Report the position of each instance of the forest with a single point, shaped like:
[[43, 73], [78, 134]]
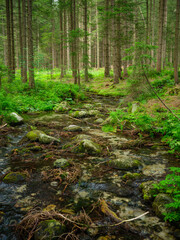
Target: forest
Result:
[[90, 119]]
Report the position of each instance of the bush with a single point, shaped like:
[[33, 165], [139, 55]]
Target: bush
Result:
[[171, 185]]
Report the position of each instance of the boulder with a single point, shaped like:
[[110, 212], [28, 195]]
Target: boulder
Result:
[[14, 119], [124, 163], [62, 107], [154, 170], [80, 114], [61, 163], [88, 106], [37, 135], [88, 146], [49, 229], [73, 128], [14, 177], [159, 204], [93, 113], [43, 138], [148, 190], [99, 121]]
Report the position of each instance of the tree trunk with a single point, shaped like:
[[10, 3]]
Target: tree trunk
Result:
[[12, 41], [176, 47], [61, 41], [106, 40], [24, 63], [97, 37], [164, 34], [9, 42], [85, 42], [30, 45], [20, 38], [65, 42]]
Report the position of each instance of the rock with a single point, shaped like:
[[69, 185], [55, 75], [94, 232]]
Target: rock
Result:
[[93, 113], [14, 177], [62, 107], [124, 163], [92, 230], [88, 106], [49, 229], [80, 114], [159, 204], [132, 176], [61, 120], [82, 137], [61, 163], [88, 146], [99, 120], [54, 184], [148, 190], [154, 170], [14, 119], [37, 135], [34, 135], [73, 128], [43, 138]]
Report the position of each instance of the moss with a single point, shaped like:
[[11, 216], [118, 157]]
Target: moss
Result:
[[132, 176], [49, 230], [34, 135], [148, 190], [14, 177]]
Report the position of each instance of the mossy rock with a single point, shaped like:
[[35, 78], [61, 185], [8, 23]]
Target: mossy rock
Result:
[[73, 128], [132, 176], [34, 135], [49, 230], [93, 113], [14, 177], [43, 138], [88, 146], [159, 204], [14, 119], [62, 107], [61, 163], [148, 190], [80, 114], [124, 163]]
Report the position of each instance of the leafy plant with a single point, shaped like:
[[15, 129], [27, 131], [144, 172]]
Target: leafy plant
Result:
[[171, 186]]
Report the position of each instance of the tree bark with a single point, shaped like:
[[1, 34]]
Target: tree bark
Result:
[[97, 37], [12, 41], [9, 42], [85, 42], [106, 40], [176, 48], [24, 63], [30, 45], [20, 38]]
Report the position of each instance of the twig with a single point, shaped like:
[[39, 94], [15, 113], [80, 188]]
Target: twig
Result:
[[158, 95], [3, 126]]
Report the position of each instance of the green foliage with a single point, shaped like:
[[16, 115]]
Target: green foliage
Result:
[[164, 123], [20, 98], [171, 185]]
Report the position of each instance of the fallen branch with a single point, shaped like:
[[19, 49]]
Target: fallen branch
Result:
[[3, 126]]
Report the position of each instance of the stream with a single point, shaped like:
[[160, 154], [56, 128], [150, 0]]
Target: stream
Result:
[[84, 178]]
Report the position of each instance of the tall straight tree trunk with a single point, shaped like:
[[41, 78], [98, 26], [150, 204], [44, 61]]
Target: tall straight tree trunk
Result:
[[30, 45], [164, 35], [9, 42], [160, 36], [12, 40], [97, 36], [153, 32], [85, 42], [65, 41], [61, 43], [176, 47], [106, 40], [24, 63], [90, 38], [20, 38]]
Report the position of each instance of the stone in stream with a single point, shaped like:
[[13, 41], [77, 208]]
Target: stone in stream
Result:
[[62, 107], [37, 135], [61, 163], [154, 170], [14, 177], [124, 163], [84, 113], [73, 128], [14, 119], [87, 146], [159, 204], [148, 190], [49, 229], [61, 120]]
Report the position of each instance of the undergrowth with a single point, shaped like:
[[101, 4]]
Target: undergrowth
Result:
[[20, 98], [171, 186]]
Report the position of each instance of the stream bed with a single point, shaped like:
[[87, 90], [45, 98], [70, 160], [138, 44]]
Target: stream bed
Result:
[[71, 178]]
